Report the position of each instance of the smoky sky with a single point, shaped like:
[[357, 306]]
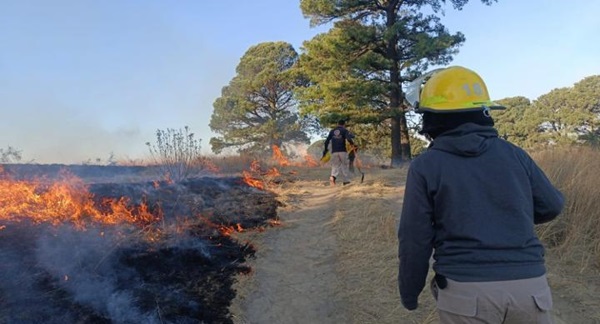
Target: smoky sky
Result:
[[79, 82]]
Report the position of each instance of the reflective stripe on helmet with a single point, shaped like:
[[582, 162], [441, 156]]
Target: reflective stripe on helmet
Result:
[[453, 89]]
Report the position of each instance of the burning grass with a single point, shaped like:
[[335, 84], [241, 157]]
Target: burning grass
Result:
[[125, 252]]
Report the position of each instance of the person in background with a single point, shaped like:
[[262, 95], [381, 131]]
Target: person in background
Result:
[[351, 149], [473, 199], [338, 137]]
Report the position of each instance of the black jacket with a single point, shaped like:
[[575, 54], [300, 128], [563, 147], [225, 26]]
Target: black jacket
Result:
[[338, 137], [473, 198]]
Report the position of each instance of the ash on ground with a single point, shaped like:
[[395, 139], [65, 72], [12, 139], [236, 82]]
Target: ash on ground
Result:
[[179, 269]]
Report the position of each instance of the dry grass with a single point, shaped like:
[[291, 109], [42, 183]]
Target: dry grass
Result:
[[573, 238], [575, 235], [231, 164], [365, 224]]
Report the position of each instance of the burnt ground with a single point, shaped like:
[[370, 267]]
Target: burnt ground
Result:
[[177, 270]]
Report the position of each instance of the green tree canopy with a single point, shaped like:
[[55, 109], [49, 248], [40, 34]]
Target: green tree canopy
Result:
[[568, 115], [358, 67], [258, 109], [510, 122]]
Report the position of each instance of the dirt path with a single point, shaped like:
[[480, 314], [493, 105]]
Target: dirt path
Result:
[[294, 278]]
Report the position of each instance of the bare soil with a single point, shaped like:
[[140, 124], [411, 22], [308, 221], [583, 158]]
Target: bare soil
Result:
[[333, 260]]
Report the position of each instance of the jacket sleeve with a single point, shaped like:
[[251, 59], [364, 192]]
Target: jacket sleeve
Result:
[[548, 201], [350, 137], [328, 139], [415, 238]]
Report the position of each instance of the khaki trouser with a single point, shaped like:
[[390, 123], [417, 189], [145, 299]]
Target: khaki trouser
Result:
[[525, 301], [339, 164]]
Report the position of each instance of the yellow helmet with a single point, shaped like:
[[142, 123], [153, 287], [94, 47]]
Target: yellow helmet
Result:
[[453, 89], [326, 157]]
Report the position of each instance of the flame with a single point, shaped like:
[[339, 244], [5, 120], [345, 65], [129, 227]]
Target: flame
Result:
[[223, 229], [258, 178], [211, 166], [273, 172], [279, 157], [274, 222], [228, 230], [255, 166], [65, 201], [249, 179], [311, 161]]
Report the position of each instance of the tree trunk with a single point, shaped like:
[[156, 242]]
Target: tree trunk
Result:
[[400, 139], [396, 147], [404, 138]]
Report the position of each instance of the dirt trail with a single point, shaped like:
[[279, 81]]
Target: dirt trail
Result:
[[294, 278]]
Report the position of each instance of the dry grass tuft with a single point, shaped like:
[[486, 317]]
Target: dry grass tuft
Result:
[[365, 225], [575, 235], [573, 238]]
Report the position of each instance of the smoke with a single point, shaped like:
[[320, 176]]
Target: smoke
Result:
[[19, 284], [178, 268], [297, 149], [100, 273], [87, 265], [46, 138]]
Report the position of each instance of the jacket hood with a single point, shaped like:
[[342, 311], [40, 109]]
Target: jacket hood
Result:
[[466, 140]]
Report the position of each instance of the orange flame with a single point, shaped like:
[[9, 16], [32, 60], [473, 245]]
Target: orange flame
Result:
[[310, 161], [273, 172], [211, 166], [255, 166], [279, 157], [249, 179], [274, 222], [223, 229], [228, 230], [257, 178], [64, 201]]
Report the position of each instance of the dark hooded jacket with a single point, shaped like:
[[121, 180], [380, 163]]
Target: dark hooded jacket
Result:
[[473, 198], [338, 137]]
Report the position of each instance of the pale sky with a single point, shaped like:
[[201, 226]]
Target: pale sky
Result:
[[80, 79]]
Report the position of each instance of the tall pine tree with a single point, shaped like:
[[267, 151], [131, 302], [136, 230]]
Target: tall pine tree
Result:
[[258, 109], [357, 69]]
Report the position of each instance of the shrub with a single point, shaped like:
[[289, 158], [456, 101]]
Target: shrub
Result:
[[10, 155], [177, 153]]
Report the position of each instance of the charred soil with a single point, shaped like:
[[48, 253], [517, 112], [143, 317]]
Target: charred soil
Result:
[[178, 267]]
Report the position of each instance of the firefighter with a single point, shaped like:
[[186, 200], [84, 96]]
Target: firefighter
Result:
[[351, 149], [473, 199], [338, 137]]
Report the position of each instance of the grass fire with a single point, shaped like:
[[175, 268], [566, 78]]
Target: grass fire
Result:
[[75, 251]]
